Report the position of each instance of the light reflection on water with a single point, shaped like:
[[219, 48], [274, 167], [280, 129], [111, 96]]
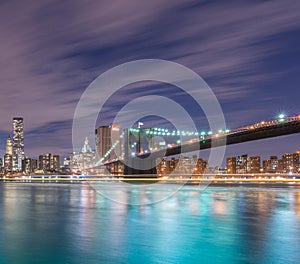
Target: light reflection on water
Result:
[[65, 223]]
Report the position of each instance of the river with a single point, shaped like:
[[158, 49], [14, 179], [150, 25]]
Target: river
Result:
[[78, 223]]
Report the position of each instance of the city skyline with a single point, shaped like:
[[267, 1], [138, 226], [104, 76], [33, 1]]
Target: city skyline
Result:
[[149, 131], [107, 139], [249, 59], [233, 150]]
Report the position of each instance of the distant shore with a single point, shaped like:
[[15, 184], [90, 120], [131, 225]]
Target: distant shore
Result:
[[214, 181]]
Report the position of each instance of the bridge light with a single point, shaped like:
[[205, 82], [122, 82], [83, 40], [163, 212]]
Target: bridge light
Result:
[[281, 116], [209, 133]]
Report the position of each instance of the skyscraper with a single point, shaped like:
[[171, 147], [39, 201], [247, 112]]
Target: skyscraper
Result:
[[84, 161], [290, 162], [231, 165], [26, 165], [108, 137], [241, 164], [18, 143], [253, 164], [9, 148], [8, 155], [49, 162]]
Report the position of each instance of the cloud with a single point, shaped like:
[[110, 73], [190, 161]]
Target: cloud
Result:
[[51, 51]]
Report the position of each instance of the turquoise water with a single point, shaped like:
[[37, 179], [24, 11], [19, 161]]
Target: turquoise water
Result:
[[73, 223]]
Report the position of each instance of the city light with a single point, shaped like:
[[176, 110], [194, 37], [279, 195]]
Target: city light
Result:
[[194, 136]]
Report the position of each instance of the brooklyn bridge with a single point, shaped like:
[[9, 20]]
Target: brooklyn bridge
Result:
[[138, 152]]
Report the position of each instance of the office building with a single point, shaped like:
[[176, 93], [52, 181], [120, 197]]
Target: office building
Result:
[[9, 146], [66, 163], [18, 143], [49, 162], [7, 163], [108, 142], [8, 155], [181, 165], [34, 165], [82, 162], [290, 162], [241, 164], [26, 165], [253, 164], [272, 165], [231, 165]]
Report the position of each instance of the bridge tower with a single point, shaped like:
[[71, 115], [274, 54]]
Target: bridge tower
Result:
[[134, 141]]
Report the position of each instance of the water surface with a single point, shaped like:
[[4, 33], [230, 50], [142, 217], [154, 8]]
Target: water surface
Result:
[[73, 223]]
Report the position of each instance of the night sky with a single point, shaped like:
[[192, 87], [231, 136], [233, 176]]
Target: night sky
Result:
[[248, 52]]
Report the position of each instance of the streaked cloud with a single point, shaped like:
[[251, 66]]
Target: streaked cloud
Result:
[[51, 50]]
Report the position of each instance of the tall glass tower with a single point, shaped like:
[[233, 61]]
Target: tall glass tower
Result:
[[18, 143]]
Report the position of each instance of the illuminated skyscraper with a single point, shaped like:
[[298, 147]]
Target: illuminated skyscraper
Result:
[[272, 165], [231, 165], [49, 162], [8, 155], [18, 143], [9, 147], [243, 164], [253, 164], [84, 161], [290, 162]]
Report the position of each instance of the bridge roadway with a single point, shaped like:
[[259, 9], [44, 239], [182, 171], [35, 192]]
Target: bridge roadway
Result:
[[276, 130], [250, 133]]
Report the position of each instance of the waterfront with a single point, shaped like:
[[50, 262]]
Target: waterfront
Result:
[[73, 223]]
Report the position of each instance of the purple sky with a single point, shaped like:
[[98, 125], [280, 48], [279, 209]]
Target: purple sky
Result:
[[248, 53]]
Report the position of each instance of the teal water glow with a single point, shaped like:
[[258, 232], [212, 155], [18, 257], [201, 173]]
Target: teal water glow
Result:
[[72, 223]]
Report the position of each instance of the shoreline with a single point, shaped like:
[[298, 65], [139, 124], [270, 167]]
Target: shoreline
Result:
[[216, 182]]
